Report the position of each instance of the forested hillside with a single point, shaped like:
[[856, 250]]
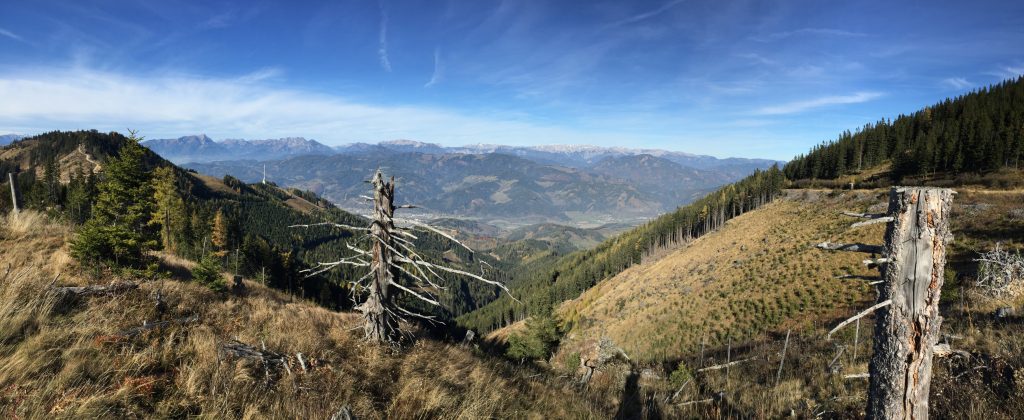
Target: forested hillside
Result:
[[980, 132], [553, 280], [239, 227]]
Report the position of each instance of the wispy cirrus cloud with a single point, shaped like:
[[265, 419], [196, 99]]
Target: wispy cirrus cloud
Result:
[[806, 105], [438, 73], [11, 35], [809, 31], [261, 75], [1008, 72], [382, 38], [170, 106], [645, 15], [957, 83]]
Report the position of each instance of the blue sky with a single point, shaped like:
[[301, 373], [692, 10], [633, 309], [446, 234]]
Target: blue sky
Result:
[[726, 78]]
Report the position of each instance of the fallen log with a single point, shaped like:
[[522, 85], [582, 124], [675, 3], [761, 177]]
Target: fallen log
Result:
[[108, 290], [271, 361], [725, 365]]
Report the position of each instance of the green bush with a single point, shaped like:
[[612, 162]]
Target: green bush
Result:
[[207, 273], [537, 342], [110, 245], [680, 375]]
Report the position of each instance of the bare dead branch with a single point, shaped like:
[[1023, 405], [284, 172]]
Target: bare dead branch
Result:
[[332, 224], [725, 365], [874, 262], [416, 295], [471, 275], [863, 215], [856, 277], [425, 226], [885, 219], [870, 249], [858, 316]]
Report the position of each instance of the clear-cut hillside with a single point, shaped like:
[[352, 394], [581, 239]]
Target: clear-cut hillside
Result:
[[760, 271]]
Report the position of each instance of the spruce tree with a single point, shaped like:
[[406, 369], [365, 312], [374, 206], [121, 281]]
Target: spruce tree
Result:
[[169, 209], [117, 233]]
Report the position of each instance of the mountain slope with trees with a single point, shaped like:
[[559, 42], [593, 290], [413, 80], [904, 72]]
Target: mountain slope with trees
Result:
[[555, 279], [138, 203], [980, 132]]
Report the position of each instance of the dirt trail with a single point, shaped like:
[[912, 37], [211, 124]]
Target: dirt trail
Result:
[[96, 165]]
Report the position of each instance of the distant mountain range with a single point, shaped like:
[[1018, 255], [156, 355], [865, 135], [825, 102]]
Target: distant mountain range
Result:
[[573, 156], [497, 186], [201, 148], [6, 139]]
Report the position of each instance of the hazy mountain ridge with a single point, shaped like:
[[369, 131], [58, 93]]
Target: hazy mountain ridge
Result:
[[495, 185], [6, 139], [482, 186], [201, 148]]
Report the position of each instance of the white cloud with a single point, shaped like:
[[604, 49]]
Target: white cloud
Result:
[[801, 106], [1008, 72], [170, 106], [645, 15], [438, 73], [958, 83], [260, 75], [810, 31], [11, 35], [382, 39]]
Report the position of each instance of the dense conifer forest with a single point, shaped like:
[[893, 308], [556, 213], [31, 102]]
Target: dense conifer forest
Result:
[[979, 132]]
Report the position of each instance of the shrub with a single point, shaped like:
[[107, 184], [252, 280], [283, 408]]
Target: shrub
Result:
[[207, 273], [537, 342]]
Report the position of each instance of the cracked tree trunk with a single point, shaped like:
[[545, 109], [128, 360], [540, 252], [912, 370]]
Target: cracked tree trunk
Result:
[[379, 323], [907, 330]]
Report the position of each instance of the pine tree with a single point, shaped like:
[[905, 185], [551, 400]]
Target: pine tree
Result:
[[207, 273], [169, 211], [117, 233], [81, 192]]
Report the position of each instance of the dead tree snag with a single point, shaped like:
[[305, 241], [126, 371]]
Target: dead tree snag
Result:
[[907, 330], [394, 265], [907, 327]]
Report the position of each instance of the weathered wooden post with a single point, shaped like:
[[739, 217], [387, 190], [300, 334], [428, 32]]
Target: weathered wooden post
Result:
[[14, 191], [907, 330], [907, 327]]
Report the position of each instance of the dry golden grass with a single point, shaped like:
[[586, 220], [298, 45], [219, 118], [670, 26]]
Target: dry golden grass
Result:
[[72, 359], [759, 273], [661, 309], [214, 184]]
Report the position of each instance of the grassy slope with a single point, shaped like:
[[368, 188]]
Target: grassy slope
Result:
[[69, 358], [759, 276], [759, 272]]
